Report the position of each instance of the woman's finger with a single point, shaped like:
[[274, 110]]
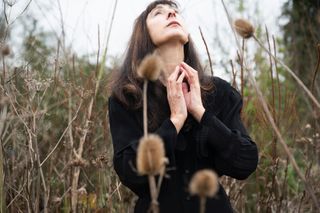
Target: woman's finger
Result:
[[191, 77], [193, 74], [174, 75], [189, 68], [181, 77]]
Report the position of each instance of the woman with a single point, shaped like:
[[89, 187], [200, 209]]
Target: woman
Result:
[[198, 117]]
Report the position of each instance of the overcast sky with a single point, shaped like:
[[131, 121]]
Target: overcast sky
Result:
[[81, 19]]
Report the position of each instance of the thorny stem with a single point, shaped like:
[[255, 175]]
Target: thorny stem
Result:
[[153, 191], [202, 204], [145, 118]]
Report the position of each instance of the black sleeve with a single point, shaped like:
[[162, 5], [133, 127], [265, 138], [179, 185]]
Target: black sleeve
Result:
[[126, 132], [234, 152]]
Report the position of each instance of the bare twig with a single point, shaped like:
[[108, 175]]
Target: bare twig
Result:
[[241, 69], [234, 75], [278, 81], [3, 115], [316, 69], [23, 11], [63, 35], [207, 49], [64, 132], [271, 74], [3, 71]]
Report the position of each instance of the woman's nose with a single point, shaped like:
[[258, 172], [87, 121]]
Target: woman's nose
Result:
[[172, 14]]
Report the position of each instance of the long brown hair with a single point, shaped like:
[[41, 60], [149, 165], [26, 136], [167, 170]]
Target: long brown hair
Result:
[[126, 86]]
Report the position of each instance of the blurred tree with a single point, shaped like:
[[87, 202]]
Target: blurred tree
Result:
[[301, 36]]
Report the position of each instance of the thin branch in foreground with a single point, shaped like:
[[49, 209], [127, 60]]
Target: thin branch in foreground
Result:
[[207, 49]]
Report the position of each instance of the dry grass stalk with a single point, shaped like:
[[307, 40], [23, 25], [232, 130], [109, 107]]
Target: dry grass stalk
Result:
[[316, 69], [3, 117], [204, 183]]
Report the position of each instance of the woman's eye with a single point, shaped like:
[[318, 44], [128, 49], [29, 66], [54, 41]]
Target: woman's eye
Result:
[[157, 13]]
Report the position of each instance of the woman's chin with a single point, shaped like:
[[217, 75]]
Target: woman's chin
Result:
[[172, 38]]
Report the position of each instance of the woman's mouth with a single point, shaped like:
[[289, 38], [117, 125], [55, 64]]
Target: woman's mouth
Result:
[[173, 23]]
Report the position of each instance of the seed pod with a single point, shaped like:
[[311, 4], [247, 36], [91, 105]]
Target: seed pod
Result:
[[150, 67], [5, 50], [204, 183], [244, 28], [151, 155]]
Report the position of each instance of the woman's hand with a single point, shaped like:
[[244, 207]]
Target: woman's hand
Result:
[[176, 98], [193, 95]]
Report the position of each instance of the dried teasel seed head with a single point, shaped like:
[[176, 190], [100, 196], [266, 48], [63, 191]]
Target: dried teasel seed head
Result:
[[150, 155], [5, 50], [244, 28], [204, 183], [150, 67]]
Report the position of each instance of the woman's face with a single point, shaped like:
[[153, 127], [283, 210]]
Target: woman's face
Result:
[[165, 24]]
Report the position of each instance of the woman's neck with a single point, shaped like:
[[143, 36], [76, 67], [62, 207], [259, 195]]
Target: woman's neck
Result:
[[172, 55]]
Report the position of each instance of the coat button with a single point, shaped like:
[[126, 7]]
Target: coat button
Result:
[[188, 197], [186, 171]]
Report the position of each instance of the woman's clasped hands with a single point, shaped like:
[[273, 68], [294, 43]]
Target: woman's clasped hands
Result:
[[184, 95]]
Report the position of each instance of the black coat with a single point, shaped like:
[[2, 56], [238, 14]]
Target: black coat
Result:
[[219, 142]]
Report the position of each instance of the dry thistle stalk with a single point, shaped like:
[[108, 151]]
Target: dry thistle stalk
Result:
[[150, 154], [244, 28], [150, 67], [204, 183], [151, 161]]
